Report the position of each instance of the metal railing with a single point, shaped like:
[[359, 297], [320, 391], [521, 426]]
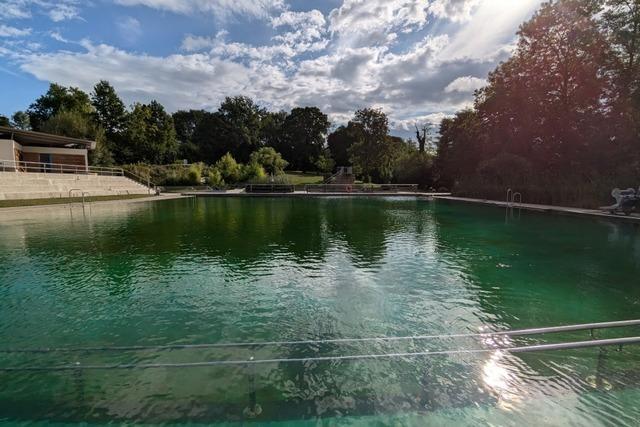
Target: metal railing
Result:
[[361, 188], [40, 167], [565, 345], [270, 188]]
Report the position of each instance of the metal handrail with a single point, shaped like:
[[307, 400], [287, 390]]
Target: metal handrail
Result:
[[41, 167], [618, 342], [513, 333], [348, 188], [140, 180]]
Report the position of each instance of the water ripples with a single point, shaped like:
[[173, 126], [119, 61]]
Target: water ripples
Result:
[[271, 270]]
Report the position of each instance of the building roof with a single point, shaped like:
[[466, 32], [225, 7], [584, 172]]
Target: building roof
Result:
[[39, 139]]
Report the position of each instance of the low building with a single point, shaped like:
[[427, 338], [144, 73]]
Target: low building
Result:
[[27, 151]]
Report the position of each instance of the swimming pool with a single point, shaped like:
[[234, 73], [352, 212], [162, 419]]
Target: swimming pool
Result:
[[255, 270]]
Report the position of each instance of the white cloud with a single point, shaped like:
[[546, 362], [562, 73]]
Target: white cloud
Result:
[[467, 84], [63, 12], [220, 8], [357, 56], [454, 10], [57, 10], [306, 33], [7, 31], [364, 21], [58, 37], [129, 29]]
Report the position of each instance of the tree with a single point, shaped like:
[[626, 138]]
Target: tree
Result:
[[241, 131], [4, 121], [621, 20], [423, 135], [549, 101], [271, 129], [460, 148], [111, 115], [20, 120], [209, 138], [304, 137], [186, 124], [341, 140], [56, 99], [270, 160], [368, 153], [151, 137]]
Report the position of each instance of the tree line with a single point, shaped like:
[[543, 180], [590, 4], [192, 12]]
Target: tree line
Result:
[[240, 132], [559, 120]]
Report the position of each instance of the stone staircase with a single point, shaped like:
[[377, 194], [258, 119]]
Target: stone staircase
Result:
[[23, 185]]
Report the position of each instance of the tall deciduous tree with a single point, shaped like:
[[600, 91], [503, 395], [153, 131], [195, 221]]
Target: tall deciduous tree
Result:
[[341, 140], [111, 115], [241, 131], [151, 136], [304, 133], [56, 99], [368, 153], [186, 124]]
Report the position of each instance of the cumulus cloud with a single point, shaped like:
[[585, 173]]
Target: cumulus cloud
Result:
[[220, 8], [465, 84], [454, 10], [358, 21], [57, 10], [379, 53], [7, 31]]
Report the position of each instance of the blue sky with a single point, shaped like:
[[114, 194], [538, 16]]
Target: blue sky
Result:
[[418, 60]]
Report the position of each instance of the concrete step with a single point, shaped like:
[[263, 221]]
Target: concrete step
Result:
[[38, 185]]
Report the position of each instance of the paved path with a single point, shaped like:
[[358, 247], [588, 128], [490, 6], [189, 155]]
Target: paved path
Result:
[[545, 208]]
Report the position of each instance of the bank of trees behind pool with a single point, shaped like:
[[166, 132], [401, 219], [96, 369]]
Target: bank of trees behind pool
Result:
[[559, 121]]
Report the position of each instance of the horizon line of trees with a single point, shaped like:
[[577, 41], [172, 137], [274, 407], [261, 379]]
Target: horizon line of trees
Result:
[[238, 130]]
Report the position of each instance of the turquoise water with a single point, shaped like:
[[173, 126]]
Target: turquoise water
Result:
[[247, 270]]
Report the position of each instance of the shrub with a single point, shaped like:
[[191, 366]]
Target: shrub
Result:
[[229, 169], [215, 178], [270, 160], [194, 176], [253, 172]]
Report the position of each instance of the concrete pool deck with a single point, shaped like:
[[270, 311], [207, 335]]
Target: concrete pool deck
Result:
[[562, 210], [17, 209]]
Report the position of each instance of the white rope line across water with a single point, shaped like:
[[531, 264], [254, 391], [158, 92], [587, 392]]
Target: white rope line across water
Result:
[[525, 349], [520, 332]]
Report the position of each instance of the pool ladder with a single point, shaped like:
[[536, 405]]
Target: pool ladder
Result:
[[514, 199]]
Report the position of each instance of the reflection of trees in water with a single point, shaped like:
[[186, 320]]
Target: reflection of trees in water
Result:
[[362, 225]]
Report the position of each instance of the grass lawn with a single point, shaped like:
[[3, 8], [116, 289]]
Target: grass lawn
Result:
[[36, 202], [300, 178]]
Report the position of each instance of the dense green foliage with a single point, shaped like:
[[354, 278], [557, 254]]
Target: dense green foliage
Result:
[[558, 121]]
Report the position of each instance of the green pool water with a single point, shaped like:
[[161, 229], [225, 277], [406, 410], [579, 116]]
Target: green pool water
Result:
[[254, 270]]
